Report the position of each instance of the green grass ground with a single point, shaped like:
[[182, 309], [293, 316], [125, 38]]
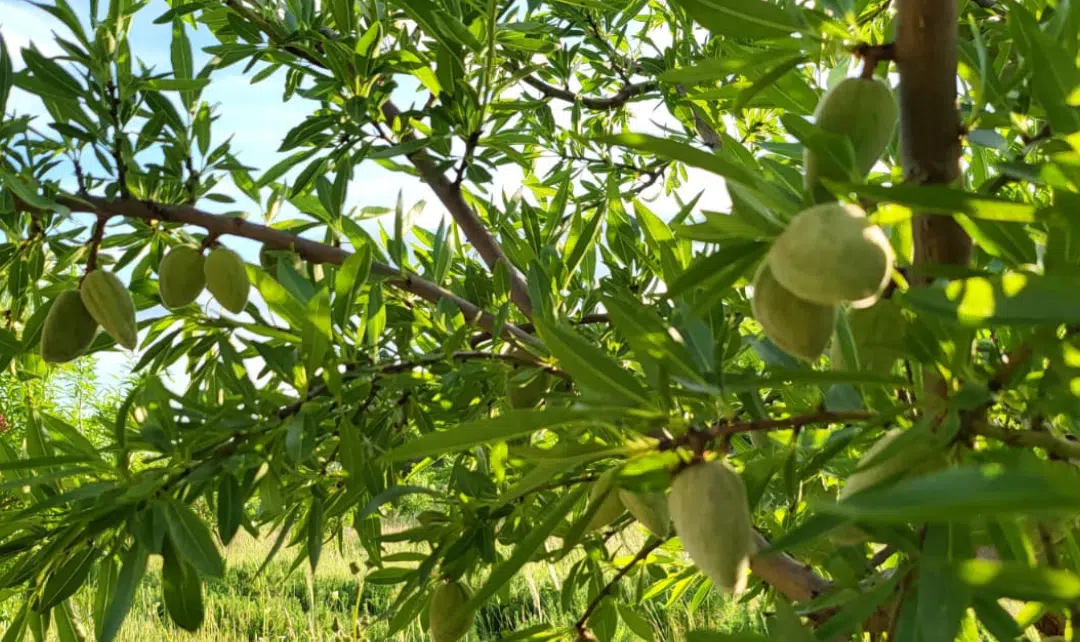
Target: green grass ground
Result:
[[278, 605]]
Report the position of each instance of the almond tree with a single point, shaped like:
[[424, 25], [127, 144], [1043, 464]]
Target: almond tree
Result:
[[896, 467]]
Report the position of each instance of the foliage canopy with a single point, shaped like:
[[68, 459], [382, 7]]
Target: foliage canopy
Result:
[[501, 363]]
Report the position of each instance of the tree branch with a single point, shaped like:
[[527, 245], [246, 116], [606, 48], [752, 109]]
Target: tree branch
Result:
[[620, 98], [649, 547], [930, 127], [482, 240], [448, 192], [312, 251], [727, 429], [588, 319]]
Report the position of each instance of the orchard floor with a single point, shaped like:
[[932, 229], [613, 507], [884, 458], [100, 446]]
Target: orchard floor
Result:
[[278, 605]]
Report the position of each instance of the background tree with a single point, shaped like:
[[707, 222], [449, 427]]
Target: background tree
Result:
[[535, 342]]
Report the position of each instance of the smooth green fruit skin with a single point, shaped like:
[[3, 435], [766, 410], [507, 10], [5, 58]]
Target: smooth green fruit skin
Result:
[[831, 254], [650, 509], [611, 506], [227, 279], [180, 276], [712, 519], [110, 304], [863, 110], [798, 327], [879, 334], [69, 329], [449, 619]]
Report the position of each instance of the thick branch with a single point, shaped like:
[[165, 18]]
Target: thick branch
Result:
[[312, 251], [620, 98], [930, 127], [482, 240], [795, 580]]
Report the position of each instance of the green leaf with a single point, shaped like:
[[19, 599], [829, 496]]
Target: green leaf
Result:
[[526, 548], [64, 581], [511, 424], [591, 367], [750, 19], [942, 600], [967, 493], [858, 609], [175, 84], [996, 619], [1010, 299], [1054, 75], [230, 507], [650, 337], [720, 68], [934, 199], [192, 539], [683, 153], [181, 590], [315, 531], [348, 282], [717, 272], [406, 148], [62, 84], [636, 622], [584, 242], [30, 196], [284, 165], [7, 75], [390, 495], [1019, 581], [131, 574], [66, 628]]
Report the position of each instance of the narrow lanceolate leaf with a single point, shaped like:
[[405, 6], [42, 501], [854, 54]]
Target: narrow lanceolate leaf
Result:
[[181, 590], [1053, 69], [7, 75], [1009, 299], [514, 423], [131, 574], [742, 18], [591, 367], [230, 507], [315, 531], [966, 493], [191, 538], [933, 199], [716, 272], [64, 581], [1019, 581], [526, 548], [651, 338]]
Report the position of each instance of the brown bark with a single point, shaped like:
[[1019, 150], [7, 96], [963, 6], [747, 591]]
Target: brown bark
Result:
[[930, 129], [312, 251]]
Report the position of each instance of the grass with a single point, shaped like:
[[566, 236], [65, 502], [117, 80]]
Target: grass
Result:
[[279, 605]]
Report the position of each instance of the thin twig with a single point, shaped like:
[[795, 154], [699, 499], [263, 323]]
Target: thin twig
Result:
[[649, 547], [96, 238], [620, 98], [996, 184], [118, 141], [727, 429], [881, 556], [588, 319]]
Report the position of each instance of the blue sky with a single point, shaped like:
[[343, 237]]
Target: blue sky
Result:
[[257, 119]]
